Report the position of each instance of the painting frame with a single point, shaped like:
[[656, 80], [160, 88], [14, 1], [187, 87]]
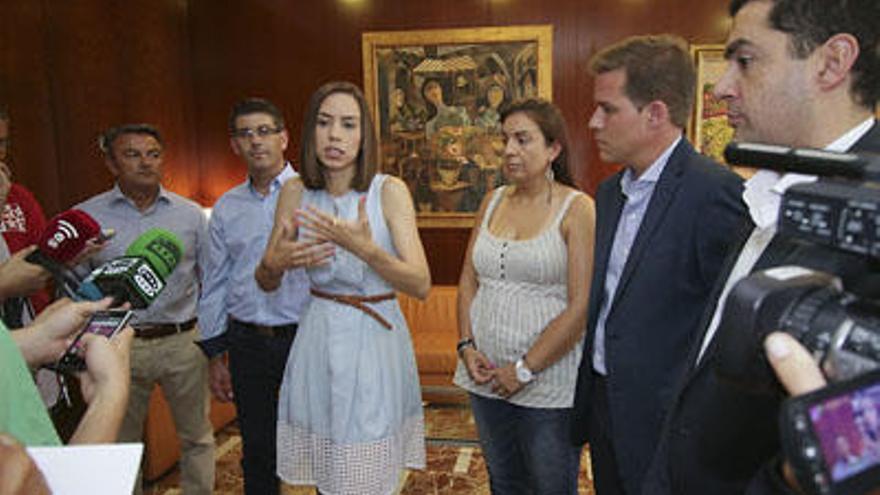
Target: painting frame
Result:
[[708, 129], [417, 65]]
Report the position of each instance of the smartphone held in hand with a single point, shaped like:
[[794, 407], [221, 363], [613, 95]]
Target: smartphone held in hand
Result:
[[105, 323]]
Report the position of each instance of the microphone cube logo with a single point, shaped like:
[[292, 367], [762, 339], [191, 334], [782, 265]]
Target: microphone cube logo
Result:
[[118, 266], [65, 231], [166, 251], [147, 281]]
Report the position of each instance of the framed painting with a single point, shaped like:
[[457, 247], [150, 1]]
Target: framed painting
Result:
[[709, 130], [436, 97]]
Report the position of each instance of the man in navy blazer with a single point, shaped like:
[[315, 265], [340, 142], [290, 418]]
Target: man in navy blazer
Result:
[[664, 225], [800, 73]]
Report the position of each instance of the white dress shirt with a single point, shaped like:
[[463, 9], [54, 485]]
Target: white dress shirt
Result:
[[638, 192]]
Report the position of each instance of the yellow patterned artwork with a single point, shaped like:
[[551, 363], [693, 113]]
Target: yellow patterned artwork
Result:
[[709, 129], [437, 95]]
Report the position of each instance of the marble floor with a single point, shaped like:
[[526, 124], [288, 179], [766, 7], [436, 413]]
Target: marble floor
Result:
[[454, 461]]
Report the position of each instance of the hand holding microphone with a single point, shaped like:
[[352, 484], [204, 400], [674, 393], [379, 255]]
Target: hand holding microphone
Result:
[[63, 240], [65, 237], [137, 278], [18, 278]]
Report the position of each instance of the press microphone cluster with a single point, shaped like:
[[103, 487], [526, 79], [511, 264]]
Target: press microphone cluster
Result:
[[140, 276]]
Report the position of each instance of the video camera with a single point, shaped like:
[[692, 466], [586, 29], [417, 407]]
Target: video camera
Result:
[[831, 437]]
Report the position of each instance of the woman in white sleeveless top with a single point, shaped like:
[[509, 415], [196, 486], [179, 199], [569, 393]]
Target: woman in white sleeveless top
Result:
[[522, 304], [350, 413]]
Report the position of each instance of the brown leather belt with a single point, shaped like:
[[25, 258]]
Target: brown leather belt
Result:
[[265, 330], [359, 302], [147, 331]]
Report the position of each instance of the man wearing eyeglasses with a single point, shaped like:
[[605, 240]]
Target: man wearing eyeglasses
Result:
[[255, 327], [163, 350]]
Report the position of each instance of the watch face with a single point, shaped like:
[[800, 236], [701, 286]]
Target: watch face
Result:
[[523, 374]]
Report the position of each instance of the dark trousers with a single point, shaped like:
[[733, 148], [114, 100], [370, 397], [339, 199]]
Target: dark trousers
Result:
[[528, 450], [605, 472], [256, 363]]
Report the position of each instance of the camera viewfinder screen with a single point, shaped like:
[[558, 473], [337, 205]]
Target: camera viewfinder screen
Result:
[[848, 429]]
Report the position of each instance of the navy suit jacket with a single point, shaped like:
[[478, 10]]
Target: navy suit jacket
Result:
[[692, 218], [717, 436]]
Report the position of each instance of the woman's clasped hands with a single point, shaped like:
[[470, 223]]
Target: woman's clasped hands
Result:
[[483, 371]]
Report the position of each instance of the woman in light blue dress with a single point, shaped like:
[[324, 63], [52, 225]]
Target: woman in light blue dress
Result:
[[350, 415]]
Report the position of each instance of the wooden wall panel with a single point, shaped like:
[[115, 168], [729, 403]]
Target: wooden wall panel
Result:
[[25, 91], [120, 62], [98, 63]]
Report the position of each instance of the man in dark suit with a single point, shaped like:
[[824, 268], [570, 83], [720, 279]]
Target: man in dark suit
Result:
[[801, 73], [664, 224]]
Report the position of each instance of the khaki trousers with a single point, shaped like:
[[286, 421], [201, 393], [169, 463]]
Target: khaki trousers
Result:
[[177, 364]]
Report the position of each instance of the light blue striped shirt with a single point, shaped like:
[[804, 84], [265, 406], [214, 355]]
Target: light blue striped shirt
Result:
[[172, 212], [638, 192], [239, 230]]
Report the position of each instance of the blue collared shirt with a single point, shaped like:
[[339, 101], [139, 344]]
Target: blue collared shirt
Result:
[[239, 230], [112, 209], [638, 192]]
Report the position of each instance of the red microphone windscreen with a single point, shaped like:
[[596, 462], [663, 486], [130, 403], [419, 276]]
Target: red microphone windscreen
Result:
[[66, 235]]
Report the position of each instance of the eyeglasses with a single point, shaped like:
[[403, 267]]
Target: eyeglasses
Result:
[[262, 131]]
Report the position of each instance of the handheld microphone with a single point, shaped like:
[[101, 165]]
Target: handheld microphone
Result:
[[139, 277], [63, 239]]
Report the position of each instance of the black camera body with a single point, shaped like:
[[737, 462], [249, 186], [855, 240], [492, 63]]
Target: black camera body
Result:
[[841, 330], [838, 215]]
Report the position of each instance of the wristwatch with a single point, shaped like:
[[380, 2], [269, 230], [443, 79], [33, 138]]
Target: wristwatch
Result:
[[523, 373], [464, 344]]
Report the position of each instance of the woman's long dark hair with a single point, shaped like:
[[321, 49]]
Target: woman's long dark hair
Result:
[[550, 121]]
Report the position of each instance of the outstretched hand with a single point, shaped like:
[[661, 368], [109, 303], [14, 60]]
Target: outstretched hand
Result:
[[50, 334], [351, 235], [19, 277], [287, 252]]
